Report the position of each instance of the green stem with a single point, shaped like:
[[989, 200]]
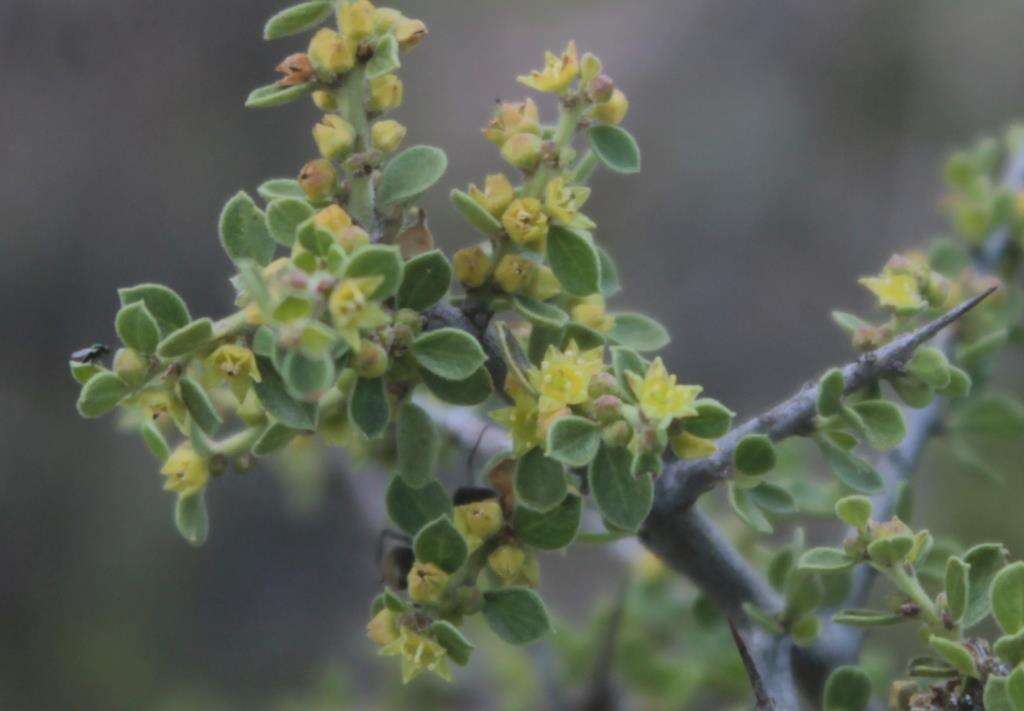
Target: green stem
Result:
[[583, 170], [230, 325], [238, 443], [351, 98], [909, 585]]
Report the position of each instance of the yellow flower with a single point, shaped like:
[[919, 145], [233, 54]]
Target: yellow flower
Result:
[[383, 628], [426, 582], [496, 195], [473, 266], [526, 223], [591, 313], [514, 273], [419, 653], [155, 403], [357, 19], [614, 110], [409, 33], [511, 118], [333, 220], [564, 376], [185, 470], [334, 137], [521, 421], [331, 53], [352, 309], [478, 521], [563, 203], [690, 446], [236, 365], [899, 291], [385, 93], [387, 135], [659, 396], [558, 72], [507, 562], [318, 179]]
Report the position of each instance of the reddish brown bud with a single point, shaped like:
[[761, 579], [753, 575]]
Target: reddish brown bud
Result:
[[297, 69]]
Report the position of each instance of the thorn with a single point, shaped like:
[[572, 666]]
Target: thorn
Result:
[[764, 702]]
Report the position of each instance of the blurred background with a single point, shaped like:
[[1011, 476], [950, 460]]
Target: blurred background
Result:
[[789, 147]]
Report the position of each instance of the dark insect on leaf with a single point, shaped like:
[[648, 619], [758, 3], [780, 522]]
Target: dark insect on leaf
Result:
[[472, 494], [90, 354], [395, 562]]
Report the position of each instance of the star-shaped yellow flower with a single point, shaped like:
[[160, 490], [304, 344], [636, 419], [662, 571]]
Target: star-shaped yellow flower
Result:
[[419, 654], [186, 472], [352, 309], [558, 72], [564, 376], [563, 202], [659, 396], [900, 291], [521, 421]]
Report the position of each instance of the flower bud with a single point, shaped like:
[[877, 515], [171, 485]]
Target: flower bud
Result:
[[387, 135], [324, 100], [331, 54], [334, 137], [352, 238], [607, 409], [614, 110], [477, 512], [426, 583], [318, 180], [523, 150], [602, 89], [357, 20], [472, 266], [590, 67], [385, 93], [383, 628], [591, 313], [409, 318], [371, 360], [544, 284], [496, 195], [409, 33], [296, 68], [617, 434], [604, 384], [130, 366], [385, 18], [526, 222], [530, 573], [506, 562], [511, 118], [333, 220], [514, 273]]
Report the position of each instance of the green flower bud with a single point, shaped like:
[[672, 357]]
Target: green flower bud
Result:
[[318, 179], [409, 33], [426, 583], [324, 100], [506, 562], [607, 409], [617, 434], [602, 88], [472, 266], [523, 150], [331, 53], [590, 67], [387, 135], [514, 273], [614, 110], [604, 384], [371, 361], [130, 366], [385, 93], [334, 137]]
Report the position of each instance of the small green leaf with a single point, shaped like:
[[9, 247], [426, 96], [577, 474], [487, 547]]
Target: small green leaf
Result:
[[913, 392], [639, 332], [187, 339], [713, 419], [615, 148], [584, 337], [849, 469], [997, 416], [314, 238], [892, 550], [985, 560], [623, 499], [573, 440], [439, 543], [854, 511], [957, 587], [847, 689], [272, 392], [275, 438], [574, 261], [825, 560], [755, 455], [472, 391], [517, 615], [805, 630], [368, 407], [277, 188], [929, 365], [803, 593], [959, 384], [410, 173], [742, 505], [297, 18], [626, 360], [418, 445], [475, 214], [449, 353], [243, 231], [137, 327], [448, 636], [1010, 648], [883, 421], [425, 281], [540, 481], [306, 377], [83, 372], [163, 304], [101, 395], [848, 322], [610, 285], [762, 619], [552, 530], [284, 215], [380, 261], [997, 696], [956, 654], [191, 518], [867, 618], [540, 313], [773, 498], [271, 95], [830, 392], [199, 406], [983, 347], [1007, 598], [412, 509], [385, 58], [155, 441]]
